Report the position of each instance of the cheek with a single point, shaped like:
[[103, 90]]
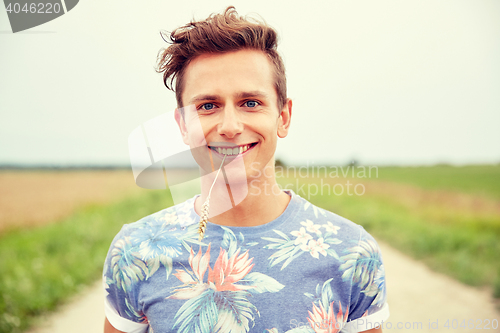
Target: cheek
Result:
[[264, 124], [197, 139], [207, 127], [196, 132], [270, 131]]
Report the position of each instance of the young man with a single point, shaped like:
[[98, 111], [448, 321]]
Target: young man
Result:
[[268, 260]]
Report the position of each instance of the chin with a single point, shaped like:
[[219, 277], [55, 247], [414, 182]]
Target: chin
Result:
[[235, 173]]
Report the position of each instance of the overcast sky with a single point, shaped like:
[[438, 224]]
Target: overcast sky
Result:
[[382, 82]]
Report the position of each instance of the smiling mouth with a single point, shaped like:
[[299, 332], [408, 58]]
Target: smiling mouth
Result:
[[232, 150]]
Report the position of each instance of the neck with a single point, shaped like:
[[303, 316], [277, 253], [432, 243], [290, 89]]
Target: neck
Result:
[[253, 202]]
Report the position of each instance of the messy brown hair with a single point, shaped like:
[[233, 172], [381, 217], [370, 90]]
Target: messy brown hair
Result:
[[218, 33]]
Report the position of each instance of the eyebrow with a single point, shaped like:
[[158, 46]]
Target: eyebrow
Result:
[[255, 93], [245, 94], [200, 98]]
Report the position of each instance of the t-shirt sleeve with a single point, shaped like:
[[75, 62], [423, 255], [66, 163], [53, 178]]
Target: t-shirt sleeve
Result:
[[123, 269], [364, 266]]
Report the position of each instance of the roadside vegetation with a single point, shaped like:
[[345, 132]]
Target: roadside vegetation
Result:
[[483, 180], [43, 266], [448, 217]]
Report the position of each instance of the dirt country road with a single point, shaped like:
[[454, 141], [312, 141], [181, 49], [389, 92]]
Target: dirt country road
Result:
[[420, 301]]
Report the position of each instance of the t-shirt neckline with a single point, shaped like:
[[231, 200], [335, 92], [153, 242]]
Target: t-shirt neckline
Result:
[[290, 211]]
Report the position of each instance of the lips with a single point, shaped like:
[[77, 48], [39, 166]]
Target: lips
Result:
[[231, 150]]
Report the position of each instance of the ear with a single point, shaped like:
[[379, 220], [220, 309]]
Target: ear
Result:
[[179, 118], [284, 119]]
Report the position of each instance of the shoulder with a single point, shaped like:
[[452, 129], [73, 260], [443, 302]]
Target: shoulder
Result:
[[139, 248], [170, 220]]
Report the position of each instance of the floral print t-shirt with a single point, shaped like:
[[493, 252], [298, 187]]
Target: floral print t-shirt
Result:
[[307, 271]]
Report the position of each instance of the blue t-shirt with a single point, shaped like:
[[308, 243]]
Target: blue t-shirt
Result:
[[309, 270]]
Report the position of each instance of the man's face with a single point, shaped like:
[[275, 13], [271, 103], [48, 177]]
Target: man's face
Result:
[[232, 96]]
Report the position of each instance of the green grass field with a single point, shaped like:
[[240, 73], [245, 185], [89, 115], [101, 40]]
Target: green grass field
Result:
[[448, 217], [44, 266], [474, 179]]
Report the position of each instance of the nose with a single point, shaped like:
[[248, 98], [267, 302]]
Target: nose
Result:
[[230, 125]]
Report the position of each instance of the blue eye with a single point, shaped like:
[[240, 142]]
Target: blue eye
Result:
[[251, 104], [208, 106]]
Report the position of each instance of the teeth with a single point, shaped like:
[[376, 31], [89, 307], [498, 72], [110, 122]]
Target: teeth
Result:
[[232, 151]]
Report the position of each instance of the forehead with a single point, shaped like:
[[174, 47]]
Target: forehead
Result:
[[228, 74]]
